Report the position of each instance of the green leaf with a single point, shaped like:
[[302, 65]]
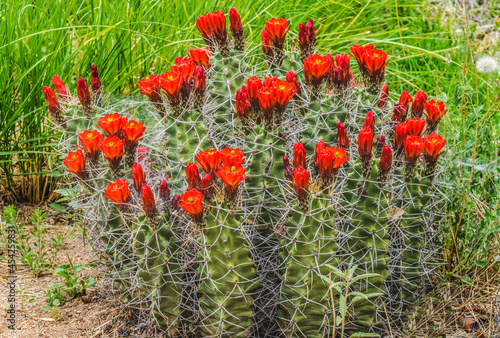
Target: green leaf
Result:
[[365, 334], [32, 300], [47, 308], [365, 275], [78, 268], [56, 302], [57, 207], [342, 306], [92, 282], [481, 263], [467, 280]]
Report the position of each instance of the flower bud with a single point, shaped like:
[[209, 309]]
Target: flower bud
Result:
[[288, 171], [299, 155], [193, 176], [95, 81], [164, 191], [207, 186]]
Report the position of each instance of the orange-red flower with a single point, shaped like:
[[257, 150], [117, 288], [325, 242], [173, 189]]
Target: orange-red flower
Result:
[[419, 101], [193, 176], [138, 176], [433, 144], [283, 92], [434, 111], [191, 202], [212, 27], [230, 156], [385, 160], [201, 57], [316, 68], [401, 108], [299, 155], [301, 185], [374, 62], [254, 84], [277, 29], [400, 134], [291, 78], [148, 201], [209, 160], [231, 176], [150, 86], [83, 92], [415, 126], [330, 160], [357, 51], [199, 83], [342, 139], [370, 122], [414, 146], [185, 66], [61, 89], [132, 132], [243, 105], [384, 96], [118, 192], [95, 81], [112, 148], [320, 146], [90, 143], [267, 101], [171, 83], [365, 144], [52, 102], [111, 124], [75, 163]]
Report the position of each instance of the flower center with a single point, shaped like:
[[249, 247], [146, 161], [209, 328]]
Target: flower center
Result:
[[132, 124], [282, 87], [115, 187], [233, 168], [111, 143], [190, 199], [170, 77], [232, 152], [89, 135]]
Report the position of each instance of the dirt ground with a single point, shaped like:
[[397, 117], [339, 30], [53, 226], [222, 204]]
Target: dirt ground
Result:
[[467, 311]]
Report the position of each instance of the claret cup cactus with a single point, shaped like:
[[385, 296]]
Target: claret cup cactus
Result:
[[223, 202]]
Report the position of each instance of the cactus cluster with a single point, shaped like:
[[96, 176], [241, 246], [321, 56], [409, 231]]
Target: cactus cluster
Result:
[[224, 201]]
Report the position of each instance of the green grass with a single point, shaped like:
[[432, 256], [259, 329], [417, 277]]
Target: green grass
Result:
[[131, 39]]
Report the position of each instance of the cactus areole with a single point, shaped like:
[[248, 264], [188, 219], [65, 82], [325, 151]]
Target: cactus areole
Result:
[[222, 203]]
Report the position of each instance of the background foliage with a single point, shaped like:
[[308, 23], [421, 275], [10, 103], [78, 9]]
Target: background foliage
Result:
[[432, 46]]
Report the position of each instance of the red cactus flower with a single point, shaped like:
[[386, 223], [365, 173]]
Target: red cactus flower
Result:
[[232, 176], [267, 101], [201, 57], [191, 202], [150, 86], [419, 101], [171, 83], [138, 176], [267, 43], [207, 186], [384, 96], [212, 26], [75, 163], [330, 160], [385, 160], [301, 183], [299, 155], [287, 169], [414, 146], [148, 201], [243, 105], [357, 51], [433, 144], [374, 62], [231, 156], [209, 160], [254, 84], [316, 67], [118, 191], [235, 24], [283, 92], [193, 176], [400, 134], [342, 139], [370, 122], [320, 146], [112, 148], [415, 126], [269, 81], [199, 83], [83, 92], [164, 191], [434, 111], [52, 102], [61, 89], [340, 75], [111, 124], [95, 81], [404, 102], [304, 42], [311, 31], [185, 66], [365, 144], [90, 141], [132, 132], [277, 29], [291, 78]]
